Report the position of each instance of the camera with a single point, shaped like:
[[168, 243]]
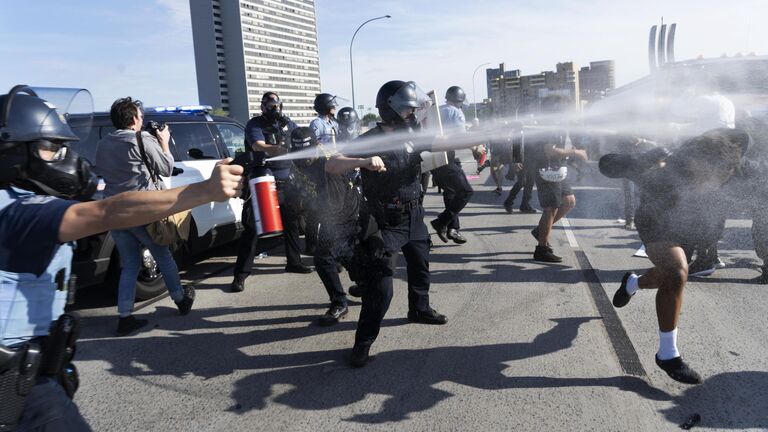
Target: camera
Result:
[[154, 127]]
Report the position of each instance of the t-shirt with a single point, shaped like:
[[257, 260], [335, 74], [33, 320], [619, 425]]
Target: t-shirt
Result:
[[261, 129], [332, 199], [31, 262], [536, 144]]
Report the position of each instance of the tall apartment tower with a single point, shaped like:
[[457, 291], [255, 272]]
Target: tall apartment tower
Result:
[[244, 48]]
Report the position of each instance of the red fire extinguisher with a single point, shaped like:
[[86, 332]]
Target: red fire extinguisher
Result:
[[266, 207]]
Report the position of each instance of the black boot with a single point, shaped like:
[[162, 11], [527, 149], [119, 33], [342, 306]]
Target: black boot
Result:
[[545, 254], [238, 283], [359, 356]]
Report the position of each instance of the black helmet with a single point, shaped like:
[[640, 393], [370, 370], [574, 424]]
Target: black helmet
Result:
[[324, 103], [455, 94], [29, 124], [349, 124], [303, 138], [397, 100]]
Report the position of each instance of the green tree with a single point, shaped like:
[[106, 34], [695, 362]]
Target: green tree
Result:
[[370, 117], [219, 111]]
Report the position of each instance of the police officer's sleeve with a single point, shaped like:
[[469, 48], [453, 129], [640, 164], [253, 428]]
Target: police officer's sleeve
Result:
[[253, 133], [29, 234]]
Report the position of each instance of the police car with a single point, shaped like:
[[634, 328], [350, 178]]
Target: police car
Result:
[[198, 140]]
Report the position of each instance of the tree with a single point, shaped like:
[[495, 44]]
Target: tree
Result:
[[370, 118], [219, 111]]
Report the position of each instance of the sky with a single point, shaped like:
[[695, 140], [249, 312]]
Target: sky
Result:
[[143, 48]]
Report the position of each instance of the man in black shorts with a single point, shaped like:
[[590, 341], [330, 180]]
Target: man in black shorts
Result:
[[678, 209], [547, 152]]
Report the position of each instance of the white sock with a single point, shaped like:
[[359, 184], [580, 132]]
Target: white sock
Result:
[[668, 345], [632, 285]]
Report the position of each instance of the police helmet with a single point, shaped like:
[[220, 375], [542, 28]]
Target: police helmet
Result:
[[303, 138], [324, 103], [349, 124], [455, 94], [397, 101], [30, 127]]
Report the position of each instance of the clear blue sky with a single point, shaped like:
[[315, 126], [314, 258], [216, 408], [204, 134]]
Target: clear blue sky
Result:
[[144, 48]]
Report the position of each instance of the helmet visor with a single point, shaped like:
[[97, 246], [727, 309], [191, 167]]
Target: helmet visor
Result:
[[409, 99], [74, 106]]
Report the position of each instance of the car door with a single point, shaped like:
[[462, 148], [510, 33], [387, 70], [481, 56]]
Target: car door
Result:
[[231, 140], [196, 152]]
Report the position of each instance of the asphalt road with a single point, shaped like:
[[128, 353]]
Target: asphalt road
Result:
[[528, 346]]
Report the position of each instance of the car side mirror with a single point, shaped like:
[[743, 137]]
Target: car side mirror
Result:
[[196, 153]]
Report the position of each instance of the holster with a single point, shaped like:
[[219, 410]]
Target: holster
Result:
[[18, 372]]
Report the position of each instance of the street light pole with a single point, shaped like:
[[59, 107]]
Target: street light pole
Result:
[[474, 95], [351, 69]]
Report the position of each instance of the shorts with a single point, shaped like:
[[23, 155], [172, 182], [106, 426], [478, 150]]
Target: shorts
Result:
[[551, 194]]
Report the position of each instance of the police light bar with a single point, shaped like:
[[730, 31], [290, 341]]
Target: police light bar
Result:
[[182, 108]]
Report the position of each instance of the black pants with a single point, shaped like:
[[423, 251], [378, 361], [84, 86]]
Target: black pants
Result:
[[525, 181], [325, 265], [760, 234], [377, 296], [247, 250], [456, 193], [49, 409]]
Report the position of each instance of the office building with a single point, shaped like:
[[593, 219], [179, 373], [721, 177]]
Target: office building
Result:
[[244, 48]]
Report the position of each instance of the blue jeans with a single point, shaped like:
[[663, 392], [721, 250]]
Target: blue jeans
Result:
[[129, 244]]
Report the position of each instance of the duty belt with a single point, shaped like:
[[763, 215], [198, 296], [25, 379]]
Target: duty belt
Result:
[[403, 207]]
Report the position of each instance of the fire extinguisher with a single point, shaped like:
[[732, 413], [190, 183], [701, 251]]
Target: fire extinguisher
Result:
[[264, 200]]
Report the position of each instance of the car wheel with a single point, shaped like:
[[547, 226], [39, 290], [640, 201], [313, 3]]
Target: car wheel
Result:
[[150, 282]]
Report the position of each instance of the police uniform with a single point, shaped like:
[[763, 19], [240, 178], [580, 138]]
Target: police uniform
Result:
[[325, 130], [451, 178], [261, 129], [394, 199], [34, 270]]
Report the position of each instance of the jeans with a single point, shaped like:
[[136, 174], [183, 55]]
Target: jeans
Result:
[[129, 244]]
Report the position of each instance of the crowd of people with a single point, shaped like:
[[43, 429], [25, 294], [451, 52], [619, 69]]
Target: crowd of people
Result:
[[359, 206]]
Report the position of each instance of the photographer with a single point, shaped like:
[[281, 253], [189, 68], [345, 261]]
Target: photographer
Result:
[[128, 160], [41, 183], [268, 135]]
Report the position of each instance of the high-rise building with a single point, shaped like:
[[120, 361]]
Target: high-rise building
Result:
[[244, 48], [596, 80], [512, 93]]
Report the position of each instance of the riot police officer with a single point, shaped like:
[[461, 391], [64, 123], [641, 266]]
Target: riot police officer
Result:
[[268, 135], [324, 125], [394, 197], [41, 183], [349, 124], [451, 178]]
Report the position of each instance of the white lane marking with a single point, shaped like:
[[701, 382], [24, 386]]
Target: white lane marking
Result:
[[569, 233]]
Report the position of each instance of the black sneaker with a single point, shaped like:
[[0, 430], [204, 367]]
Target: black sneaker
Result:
[[509, 208], [498, 191], [622, 297], [429, 316], [359, 356], [456, 236], [333, 315], [185, 304], [545, 254], [355, 290], [529, 210], [238, 283], [301, 269], [679, 370], [763, 278], [702, 267], [441, 230], [129, 324]]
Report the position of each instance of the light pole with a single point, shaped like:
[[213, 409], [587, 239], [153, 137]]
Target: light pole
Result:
[[351, 69], [474, 96]]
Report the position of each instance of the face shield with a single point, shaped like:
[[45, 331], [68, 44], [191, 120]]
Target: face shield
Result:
[[408, 100], [74, 106]]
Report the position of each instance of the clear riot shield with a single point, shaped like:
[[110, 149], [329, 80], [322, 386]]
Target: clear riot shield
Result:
[[73, 104], [432, 122]]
